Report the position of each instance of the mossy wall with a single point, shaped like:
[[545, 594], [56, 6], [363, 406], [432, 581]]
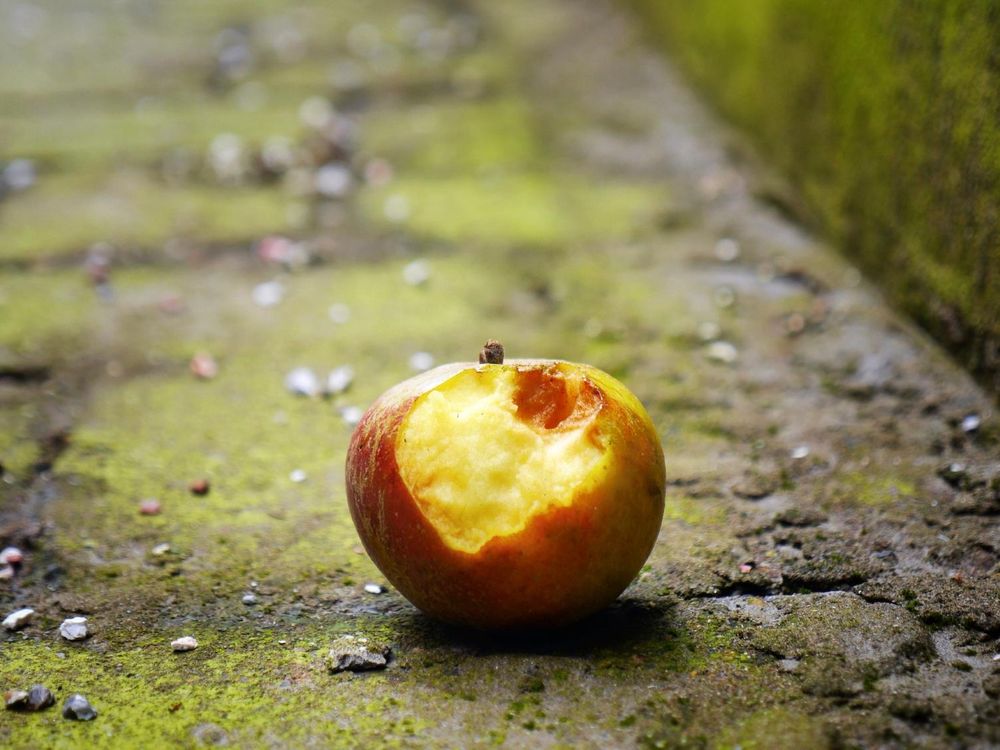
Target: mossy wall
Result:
[[885, 117]]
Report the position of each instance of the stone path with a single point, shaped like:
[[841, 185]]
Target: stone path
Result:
[[827, 572]]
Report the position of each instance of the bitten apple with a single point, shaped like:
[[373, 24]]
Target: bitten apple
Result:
[[508, 495]]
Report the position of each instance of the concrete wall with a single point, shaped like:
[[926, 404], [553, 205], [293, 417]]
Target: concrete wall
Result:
[[885, 116]]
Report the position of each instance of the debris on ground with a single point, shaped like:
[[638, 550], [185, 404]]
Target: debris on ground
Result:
[[339, 380], [204, 366], [199, 487], [421, 361], [302, 381], [351, 653], [16, 700], [722, 351], [184, 643], [351, 414], [38, 698], [268, 293], [417, 272], [74, 629], [19, 618], [78, 708]]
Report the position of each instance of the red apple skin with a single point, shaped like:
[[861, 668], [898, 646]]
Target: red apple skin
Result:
[[564, 565]]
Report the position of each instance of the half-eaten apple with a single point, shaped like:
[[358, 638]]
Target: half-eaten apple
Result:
[[507, 495]]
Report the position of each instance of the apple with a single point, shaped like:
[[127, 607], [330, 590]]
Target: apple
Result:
[[501, 496]]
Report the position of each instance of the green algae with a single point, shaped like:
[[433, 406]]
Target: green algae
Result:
[[520, 208], [246, 682], [899, 96], [779, 728], [868, 488], [692, 511], [134, 209], [457, 138], [45, 316]]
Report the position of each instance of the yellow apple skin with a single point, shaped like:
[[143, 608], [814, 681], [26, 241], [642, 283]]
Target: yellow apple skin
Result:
[[566, 563]]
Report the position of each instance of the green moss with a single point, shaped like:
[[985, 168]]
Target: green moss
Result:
[[44, 313], [865, 488], [244, 681], [100, 138], [457, 139], [693, 511], [133, 209], [17, 451], [517, 208], [883, 116], [777, 728]]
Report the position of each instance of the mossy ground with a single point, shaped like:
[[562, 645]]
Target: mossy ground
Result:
[[547, 175]]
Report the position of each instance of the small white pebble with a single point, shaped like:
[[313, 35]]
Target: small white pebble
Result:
[[18, 618], [722, 351], [421, 361], [339, 313], [161, 549], [593, 328], [351, 414], [340, 379], [417, 272], [800, 452], [971, 423], [6, 573], [74, 628], [249, 599], [333, 181], [316, 112], [373, 588], [282, 642], [19, 174], [302, 382], [185, 643], [396, 208], [11, 556], [268, 294], [727, 249], [298, 476]]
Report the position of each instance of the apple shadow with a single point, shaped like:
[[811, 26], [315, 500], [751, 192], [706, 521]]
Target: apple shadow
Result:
[[625, 624]]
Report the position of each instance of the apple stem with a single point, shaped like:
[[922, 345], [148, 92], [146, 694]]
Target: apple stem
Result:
[[491, 353]]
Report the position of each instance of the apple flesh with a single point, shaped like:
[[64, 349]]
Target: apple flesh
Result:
[[507, 496]]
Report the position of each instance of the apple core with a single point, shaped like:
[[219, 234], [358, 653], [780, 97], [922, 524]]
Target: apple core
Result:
[[530, 434]]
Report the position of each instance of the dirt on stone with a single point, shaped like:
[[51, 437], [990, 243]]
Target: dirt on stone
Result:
[[256, 185]]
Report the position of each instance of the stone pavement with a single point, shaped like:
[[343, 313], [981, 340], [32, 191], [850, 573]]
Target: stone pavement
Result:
[[213, 199]]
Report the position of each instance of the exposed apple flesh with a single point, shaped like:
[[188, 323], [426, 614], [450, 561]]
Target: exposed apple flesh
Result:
[[486, 451], [525, 494]]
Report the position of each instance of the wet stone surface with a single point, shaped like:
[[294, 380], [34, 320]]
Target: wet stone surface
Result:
[[217, 255]]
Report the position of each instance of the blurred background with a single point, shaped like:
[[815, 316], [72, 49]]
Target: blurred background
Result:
[[226, 227]]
